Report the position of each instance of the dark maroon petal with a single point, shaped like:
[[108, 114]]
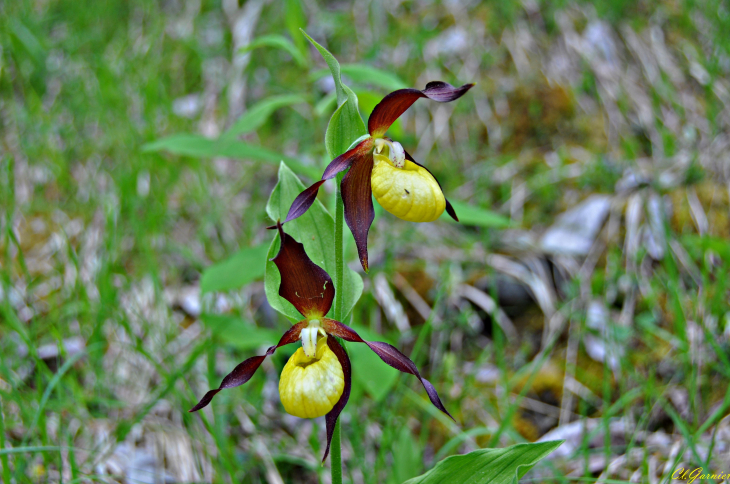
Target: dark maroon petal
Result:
[[331, 417], [390, 108], [345, 160], [449, 209], [244, 371], [303, 201], [444, 92], [357, 197], [303, 283], [396, 103], [389, 354], [341, 330], [434, 397]]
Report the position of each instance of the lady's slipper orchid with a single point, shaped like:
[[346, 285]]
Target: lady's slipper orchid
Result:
[[317, 378], [380, 166]]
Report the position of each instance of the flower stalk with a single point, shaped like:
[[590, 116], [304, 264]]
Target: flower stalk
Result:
[[339, 251], [336, 456], [336, 445]]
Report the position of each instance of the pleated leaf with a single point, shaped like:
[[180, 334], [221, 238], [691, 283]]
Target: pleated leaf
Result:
[[244, 266], [259, 113], [315, 230], [346, 124], [488, 466], [198, 146], [476, 216], [277, 42]]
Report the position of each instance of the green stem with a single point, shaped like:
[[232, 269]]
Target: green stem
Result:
[[339, 256], [336, 455], [336, 444]]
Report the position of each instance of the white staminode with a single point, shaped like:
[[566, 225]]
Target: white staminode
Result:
[[309, 336], [396, 153]]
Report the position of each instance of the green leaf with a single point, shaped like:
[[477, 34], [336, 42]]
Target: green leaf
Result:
[[488, 466], [28, 41], [278, 42], [479, 217], [368, 369], [315, 229], [407, 455], [342, 130], [365, 74], [244, 266], [295, 19], [234, 331], [334, 66], [346, 125], [198, 146], [257, 114]]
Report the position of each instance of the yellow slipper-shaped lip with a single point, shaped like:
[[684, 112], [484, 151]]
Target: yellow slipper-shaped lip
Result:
[[410, 193], [310, 387]]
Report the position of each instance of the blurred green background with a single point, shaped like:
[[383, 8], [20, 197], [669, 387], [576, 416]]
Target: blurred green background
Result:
[[584, 298]]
